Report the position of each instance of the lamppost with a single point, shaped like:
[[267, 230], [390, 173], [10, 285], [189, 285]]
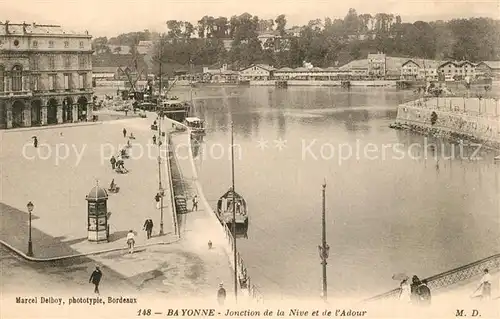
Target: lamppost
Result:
[[161, 191], [30, 243], [324, 249], [160, 118]]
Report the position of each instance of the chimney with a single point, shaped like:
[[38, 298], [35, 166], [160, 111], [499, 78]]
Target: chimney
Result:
[[34, 24], [7, 27]]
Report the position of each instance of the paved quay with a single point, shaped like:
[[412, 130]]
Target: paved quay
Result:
[[178, 268], [197, 228], [58, 175]]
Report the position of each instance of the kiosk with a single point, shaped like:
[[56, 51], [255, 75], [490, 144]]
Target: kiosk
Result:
[[97, 215]]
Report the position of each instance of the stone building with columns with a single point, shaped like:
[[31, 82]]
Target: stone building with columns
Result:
[[45, 75]]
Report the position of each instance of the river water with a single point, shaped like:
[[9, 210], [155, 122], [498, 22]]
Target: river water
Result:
[[388, 208]]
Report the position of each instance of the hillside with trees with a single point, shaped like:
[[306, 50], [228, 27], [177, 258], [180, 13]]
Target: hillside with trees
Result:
[[322, 42]]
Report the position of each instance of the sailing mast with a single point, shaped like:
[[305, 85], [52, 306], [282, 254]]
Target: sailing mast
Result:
[[234, 218]]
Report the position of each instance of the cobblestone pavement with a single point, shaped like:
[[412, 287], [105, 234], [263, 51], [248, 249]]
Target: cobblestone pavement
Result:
[[58, 175]]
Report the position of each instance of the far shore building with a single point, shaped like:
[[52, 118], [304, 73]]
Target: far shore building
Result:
[[216, 74], [45, 75], [420, 69], [145, 47], [457, 70], [377, 65], [311, 74], [488, 69], [107, 73], [256, 72]]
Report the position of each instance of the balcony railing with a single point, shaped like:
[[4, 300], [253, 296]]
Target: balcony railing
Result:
[[15, 93]]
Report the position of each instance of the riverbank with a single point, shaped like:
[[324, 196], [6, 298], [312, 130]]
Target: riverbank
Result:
[[458, 119]]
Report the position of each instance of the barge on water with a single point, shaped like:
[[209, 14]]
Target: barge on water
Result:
[[196, 125], [225, 211], [176, 110]]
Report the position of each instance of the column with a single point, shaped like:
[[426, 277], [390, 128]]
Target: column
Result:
[[89, 112], [9, 114], [44, 113], [74, 111], [27, 114], [59, 113]]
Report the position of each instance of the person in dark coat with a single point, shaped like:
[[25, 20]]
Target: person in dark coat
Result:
[[154, 139], [221, 295], [95, 278], [35, 141], [148, 227], [112, 160], [124, 132], [415, 282], [424, 293]]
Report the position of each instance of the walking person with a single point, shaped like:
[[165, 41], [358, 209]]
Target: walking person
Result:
[[195, 203], [95, 278], [112, 160], [35, 141], [131, 241], [485, 286], [148, 227], [415, 282], [124, 132], [424, 293], [154, 139], [221, 294]]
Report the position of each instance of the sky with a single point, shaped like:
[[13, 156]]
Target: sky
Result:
[[112, 17]]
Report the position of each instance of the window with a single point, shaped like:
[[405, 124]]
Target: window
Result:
[[67, 61], [83, 80], [66, 44], [81, 62], [52, 62], [35, 44], [52, 82], [81, 44], [2, 74], [66, 81], [35, 82], [34, 63], [17, 78], [51, 44]]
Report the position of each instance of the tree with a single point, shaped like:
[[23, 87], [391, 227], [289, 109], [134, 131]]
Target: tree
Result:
[[188, 30], [174, 29], [117, 50], [281, 24]]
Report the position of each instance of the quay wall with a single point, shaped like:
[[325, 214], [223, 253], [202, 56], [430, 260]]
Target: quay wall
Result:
[[469, 119], [224, 237], [368, 83]]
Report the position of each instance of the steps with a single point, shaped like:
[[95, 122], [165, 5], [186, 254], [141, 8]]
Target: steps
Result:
[[181, 205]]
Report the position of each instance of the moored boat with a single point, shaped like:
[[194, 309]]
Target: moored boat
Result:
[[196, 125], [225, 210]]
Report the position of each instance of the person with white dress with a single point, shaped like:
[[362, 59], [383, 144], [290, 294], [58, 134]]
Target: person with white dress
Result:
[[131, 241], [405, 292]]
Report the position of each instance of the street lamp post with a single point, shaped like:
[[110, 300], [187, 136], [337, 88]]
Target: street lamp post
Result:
[[162, 193], [324, 249], [30, 243], [160, 118]]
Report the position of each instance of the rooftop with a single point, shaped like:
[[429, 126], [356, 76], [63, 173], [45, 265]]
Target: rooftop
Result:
[[493, 64], [36, 29]]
